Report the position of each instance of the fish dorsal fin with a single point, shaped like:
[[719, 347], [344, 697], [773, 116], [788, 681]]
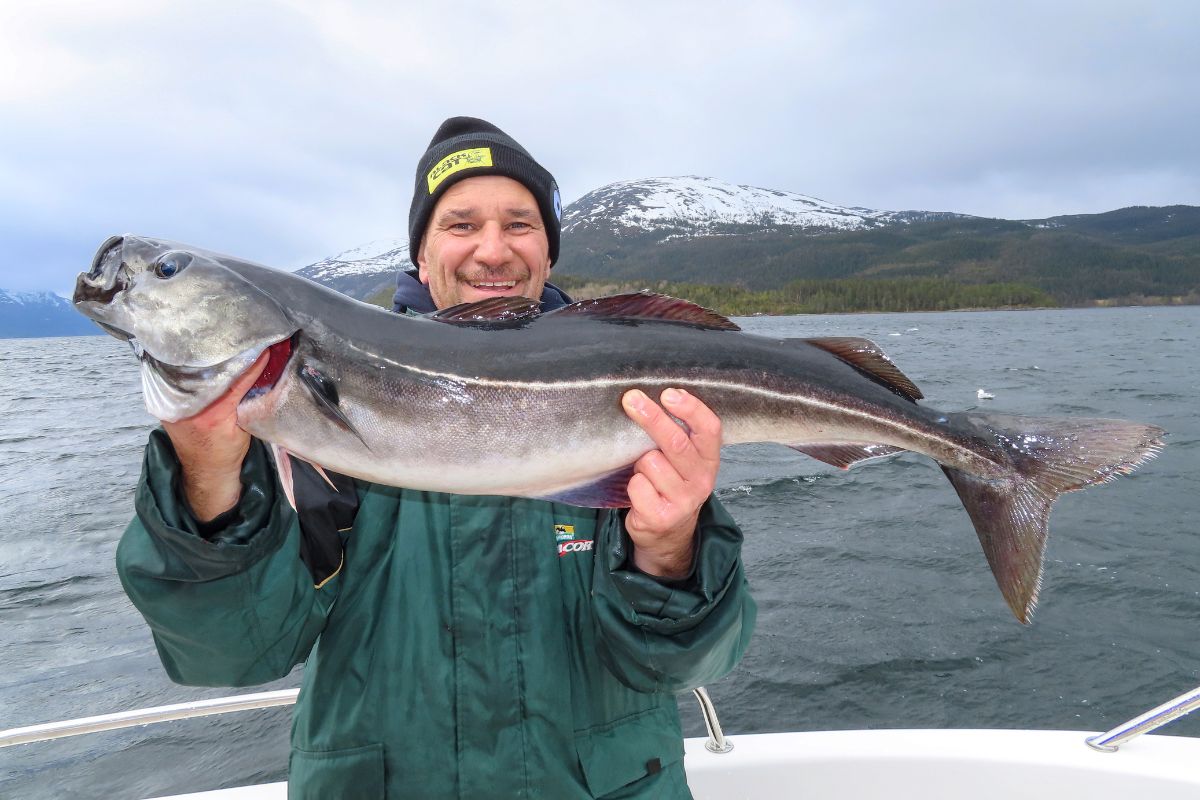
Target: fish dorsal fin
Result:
[[870, 358], [489, 312], [649, 305]]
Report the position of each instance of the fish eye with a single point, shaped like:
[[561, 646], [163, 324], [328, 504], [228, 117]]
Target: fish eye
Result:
[[170, 264]]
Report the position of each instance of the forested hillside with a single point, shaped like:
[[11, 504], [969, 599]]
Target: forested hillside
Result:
[[1130, 255]]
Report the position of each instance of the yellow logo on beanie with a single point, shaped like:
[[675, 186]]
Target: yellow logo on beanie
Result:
[[456, 162]]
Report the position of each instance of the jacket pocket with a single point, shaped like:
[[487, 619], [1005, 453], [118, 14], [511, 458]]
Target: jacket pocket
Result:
[[617, 754], [353, 774]]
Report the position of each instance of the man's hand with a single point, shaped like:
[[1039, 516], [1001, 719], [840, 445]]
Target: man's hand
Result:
[[670, 484], [210, 447]]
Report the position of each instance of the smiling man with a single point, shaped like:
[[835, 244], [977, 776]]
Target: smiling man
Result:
[[455, 647], [485, 239], [484, 221]]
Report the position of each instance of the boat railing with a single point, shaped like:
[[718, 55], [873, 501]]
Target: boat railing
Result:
[[146, 716], [1156, 717], [717, 741]]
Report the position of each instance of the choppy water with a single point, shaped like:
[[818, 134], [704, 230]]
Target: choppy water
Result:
[[876, 606]]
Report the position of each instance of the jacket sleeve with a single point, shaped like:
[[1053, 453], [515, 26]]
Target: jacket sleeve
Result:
[[230, 603], [673, 636]]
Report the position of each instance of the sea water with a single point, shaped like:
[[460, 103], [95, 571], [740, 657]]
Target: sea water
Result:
[[876, 606]]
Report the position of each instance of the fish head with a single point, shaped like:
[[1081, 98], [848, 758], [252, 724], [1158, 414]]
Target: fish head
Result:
[[194, 320]]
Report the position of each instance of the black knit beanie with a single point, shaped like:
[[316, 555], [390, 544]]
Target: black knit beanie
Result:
[[465, 147]]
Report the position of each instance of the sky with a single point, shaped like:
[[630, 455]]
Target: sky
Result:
[[289, 131]]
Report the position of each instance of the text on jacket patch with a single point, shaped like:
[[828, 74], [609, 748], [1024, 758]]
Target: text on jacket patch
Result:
[[567, 543]]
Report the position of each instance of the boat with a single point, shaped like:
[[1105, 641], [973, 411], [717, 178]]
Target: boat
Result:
[[893, 764]]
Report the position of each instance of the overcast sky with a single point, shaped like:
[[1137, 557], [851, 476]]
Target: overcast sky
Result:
[[288, 131]]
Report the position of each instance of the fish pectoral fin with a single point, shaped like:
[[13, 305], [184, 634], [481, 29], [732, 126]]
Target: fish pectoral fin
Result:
[[649, 306], [323, 391], [870, 358], [844, 455], [608, 491]]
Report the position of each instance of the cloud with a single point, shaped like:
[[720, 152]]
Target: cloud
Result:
[[287, 131]]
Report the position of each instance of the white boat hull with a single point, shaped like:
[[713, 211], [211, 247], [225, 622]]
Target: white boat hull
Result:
[[917, 764]]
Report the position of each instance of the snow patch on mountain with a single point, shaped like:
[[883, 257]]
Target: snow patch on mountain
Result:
[[25, 314], [372, 258], [703, 204], [33, 299]]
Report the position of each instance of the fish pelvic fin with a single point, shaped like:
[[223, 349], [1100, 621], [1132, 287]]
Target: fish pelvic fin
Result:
[[283, 466], [607, 491], [1049, 457]]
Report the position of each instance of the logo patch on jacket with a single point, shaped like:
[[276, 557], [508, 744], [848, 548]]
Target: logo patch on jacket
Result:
[[567, 543]]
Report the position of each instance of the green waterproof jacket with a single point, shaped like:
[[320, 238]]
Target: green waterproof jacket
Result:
[[462, 647]]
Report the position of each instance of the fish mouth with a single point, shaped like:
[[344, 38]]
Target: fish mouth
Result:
[[107, 277], [277, 361]]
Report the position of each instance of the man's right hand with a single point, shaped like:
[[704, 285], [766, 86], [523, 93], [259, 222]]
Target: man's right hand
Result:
[[211, 447]]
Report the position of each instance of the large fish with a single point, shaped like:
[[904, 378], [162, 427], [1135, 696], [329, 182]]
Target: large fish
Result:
[[497, 398]]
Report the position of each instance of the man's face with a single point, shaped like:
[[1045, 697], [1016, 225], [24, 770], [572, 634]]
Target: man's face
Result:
[[485, 239]]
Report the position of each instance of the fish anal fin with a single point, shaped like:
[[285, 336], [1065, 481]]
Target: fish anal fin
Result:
[[870, 358], [844, 455], [490, 312], [609, 491], [649, 306]]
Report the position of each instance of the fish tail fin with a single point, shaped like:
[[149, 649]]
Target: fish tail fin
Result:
[[1048, 457]]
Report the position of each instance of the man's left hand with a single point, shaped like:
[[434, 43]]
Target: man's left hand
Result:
[[671, 483]]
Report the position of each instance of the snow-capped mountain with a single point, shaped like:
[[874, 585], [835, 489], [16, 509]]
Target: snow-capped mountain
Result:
[[28, 314], [361, 271], [697, 206], [677, 208]]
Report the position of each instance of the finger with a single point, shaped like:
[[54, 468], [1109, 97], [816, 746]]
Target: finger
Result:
[[645, 504], [665, 478], [247, 379], [226, 404], [705, 425], [658, 425]]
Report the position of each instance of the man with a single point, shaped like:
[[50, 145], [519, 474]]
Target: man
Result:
[[455, 646]]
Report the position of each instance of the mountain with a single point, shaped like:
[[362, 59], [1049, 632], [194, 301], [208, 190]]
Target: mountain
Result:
[[664, 209], [703, 231], [694, 206], [697, 230], [29, 314], [743, 240], [362, 271]]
